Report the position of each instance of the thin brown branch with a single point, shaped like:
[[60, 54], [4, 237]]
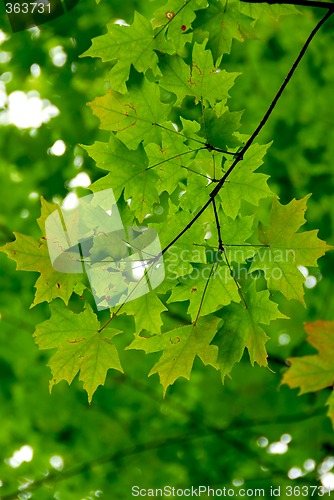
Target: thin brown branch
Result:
[[304, 3], [240, 155]]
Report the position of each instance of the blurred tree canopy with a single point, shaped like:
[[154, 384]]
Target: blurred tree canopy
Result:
[[249, 433]]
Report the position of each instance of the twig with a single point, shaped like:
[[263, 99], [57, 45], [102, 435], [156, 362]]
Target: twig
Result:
[[240, 155]]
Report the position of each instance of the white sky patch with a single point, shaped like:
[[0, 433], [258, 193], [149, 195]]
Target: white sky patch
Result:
[[138, 269], [3, 37], [78, 161], [311, 282], [70, 202], [58, 148], [24, 454], [81, 180], [57, 462], [327, 480], [6, 77], [284, 339], [34, 32], [277, 448], [121, 22], [58, 56], [33, 195], [286, 438], [24, 213], [326, 465], [27, 110], [304, 271], [5, 56], [309, 465], [238, 482], [35, 70], [3, 95], [295, 473], [262, 442]]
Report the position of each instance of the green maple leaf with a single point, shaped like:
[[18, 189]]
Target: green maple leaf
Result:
[[208, 288], [170, 160], [126, 45], [196, 193], [244, 183], [173, 22], [242, 328], [220, 125], [286, 250], [223, 22], [180, 346], [33, 255], [201, 80], [128, 172], [46, 210], [234, 233], [256, 11], [80, 347], [147, 311], [134, 116]]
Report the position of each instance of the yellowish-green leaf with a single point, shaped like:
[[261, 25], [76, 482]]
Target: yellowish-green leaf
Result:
[[80, 347], [180, 347], [208, 288], [32, 255], [134, 116], [285, 249]]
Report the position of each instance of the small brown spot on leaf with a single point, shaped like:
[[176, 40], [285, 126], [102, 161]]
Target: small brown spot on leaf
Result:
[[58, 285], [176, 341], [183, 27], [194, 290], [169, 14]]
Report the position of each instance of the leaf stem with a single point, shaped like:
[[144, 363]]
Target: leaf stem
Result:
[[221, 248]]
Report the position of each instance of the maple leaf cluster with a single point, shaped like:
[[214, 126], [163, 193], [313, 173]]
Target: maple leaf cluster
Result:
[[173, 141]]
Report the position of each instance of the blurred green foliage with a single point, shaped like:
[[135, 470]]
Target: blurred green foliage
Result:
[[202, 432]]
